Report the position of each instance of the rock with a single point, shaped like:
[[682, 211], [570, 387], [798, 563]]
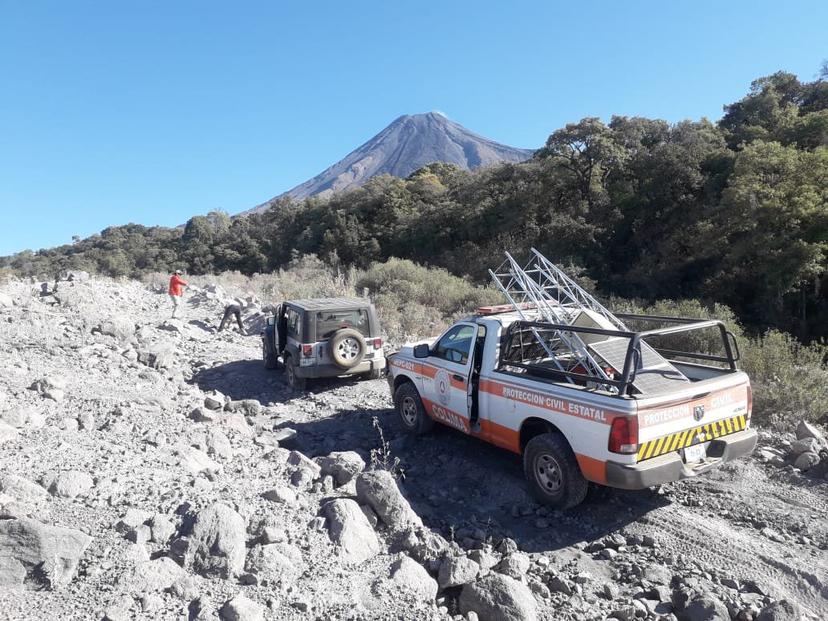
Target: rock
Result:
[[86, 420], [119, 327], [806, 461], [158, 357], [514, 565], [804, 446], [349, 528], [195, 461], [507, 546], [783, 610], [71, 484], [7, 432], [162, 527], [485, 558], [248, 407], [285, 436], [132, 519], [295, 458], [241, 608], [457, 571], [379, 490], [559, 585], [204, 415], [704, 608], [342, 466], [498, 598], [806, 430], [413, 577], [23, 490], [6, 300], [151, 576], [186, 588], [281, 494], [38, 554], [16, 418], [218, 444], [275, 563], [214, 400], [217, 545]]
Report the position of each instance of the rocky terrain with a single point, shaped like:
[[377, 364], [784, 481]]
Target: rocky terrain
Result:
[[153, 469]]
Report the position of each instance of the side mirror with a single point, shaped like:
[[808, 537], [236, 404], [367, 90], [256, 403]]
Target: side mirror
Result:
[[421, 350]]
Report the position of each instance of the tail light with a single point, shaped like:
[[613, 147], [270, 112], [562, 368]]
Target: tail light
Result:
[[307, 351], [623, 436], [749, 401], [377, 343]]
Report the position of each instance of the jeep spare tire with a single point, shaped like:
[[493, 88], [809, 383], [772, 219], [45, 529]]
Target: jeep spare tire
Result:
[[347, 348]]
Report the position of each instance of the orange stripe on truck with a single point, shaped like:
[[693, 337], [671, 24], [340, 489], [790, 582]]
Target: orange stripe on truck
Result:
[[593, 469]]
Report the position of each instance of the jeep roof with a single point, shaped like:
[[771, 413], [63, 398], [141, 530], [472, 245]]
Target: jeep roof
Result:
[[329, 303]]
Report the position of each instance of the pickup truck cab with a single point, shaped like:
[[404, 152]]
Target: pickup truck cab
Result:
[[486, 377]]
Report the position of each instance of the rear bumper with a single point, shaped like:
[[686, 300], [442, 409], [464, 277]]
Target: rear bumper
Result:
[[671, 467], [331, 370]]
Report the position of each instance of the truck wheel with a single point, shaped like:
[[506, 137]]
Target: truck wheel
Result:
[[293, 380], [552, 471], [269, 357], [347, 348], [412, 412]]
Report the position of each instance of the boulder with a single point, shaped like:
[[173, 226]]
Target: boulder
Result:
[[217, 545], [806, 461], [162, 528], [196, 461], [35, 555], [71, 484], [242, 608], [804, 445], [457, 571], [22, 490], [806, 430], [281, 494], [514, 565], [119, 327], [7, 432], [413, 577], [151, 576], [302, 462], [275, 563], [379, 490], [16, 418], [783, 610], [342, 466], [349, 528], [704, 608], [214, 400], [498, 598], [6, 300]]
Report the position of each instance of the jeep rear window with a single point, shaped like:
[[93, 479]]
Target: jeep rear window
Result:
[[328, 322]]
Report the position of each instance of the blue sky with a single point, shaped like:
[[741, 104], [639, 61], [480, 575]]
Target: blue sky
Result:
[[152, 112]]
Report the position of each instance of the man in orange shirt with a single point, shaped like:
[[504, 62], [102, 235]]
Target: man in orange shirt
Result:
[[176, 290]]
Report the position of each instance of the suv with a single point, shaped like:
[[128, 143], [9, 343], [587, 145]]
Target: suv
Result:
[[325, 337]]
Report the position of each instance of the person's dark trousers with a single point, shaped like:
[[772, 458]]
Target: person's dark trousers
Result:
[[229, 312]]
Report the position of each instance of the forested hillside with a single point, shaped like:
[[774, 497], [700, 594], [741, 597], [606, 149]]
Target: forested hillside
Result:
[[735, 212]]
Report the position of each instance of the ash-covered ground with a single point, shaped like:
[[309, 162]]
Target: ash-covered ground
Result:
[[153, 469]]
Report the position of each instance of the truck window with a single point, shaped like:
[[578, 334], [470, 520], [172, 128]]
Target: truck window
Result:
[[294, 324], [329, 321], [456, 344]]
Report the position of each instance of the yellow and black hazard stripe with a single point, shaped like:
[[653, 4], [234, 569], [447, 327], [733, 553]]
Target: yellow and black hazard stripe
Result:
[[689, 437]]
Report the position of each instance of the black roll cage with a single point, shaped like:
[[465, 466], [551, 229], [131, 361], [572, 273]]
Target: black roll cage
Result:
[[633, 356]]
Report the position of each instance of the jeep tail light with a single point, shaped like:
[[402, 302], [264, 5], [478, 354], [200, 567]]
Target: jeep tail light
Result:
[[377, 343], [307, 351], [749, 401], [623, 436]]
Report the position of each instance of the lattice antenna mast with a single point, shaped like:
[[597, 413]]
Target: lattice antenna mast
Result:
[[556, 300]]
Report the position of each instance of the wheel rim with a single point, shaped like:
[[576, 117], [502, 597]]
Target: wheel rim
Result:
[[348, 348], [408, 410], [548, 473]]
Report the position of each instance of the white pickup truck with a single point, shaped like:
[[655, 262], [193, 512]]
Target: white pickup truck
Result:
[[643, 424]]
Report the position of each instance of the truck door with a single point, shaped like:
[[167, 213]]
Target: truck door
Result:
[[473, 384], [447, 393]]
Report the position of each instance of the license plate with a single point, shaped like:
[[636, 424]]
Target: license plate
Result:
[[306, 362], [695, 453]]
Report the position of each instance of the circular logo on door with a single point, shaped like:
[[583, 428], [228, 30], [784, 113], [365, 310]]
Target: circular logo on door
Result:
[[443, 384]]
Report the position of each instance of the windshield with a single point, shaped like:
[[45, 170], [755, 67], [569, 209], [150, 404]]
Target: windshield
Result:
[[328, 322]]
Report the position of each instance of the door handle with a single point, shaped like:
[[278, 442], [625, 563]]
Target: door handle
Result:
[[459, 378]]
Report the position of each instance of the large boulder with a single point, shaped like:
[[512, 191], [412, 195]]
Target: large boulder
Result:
[[119, 327], [806, 461], [806, 430], [342, 466], [275, 563], [35, 555], [804, 445], [783, 610], [413, 577], [241, 608], [496, 597], [379, 490], [217, 545], [70, 484], [150, 576], [19, 496], [704, 608], [349, 528], [457, 571]]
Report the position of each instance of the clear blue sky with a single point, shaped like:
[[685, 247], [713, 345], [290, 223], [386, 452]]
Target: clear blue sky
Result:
[[154, 111]]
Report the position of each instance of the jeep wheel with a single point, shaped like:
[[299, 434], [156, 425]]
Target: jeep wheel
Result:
[[293, 380], [269, 356], [347, 348], [552, 471], [411, 410]]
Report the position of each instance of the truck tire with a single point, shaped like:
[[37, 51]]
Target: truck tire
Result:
[[347, 348], [552, 471], [269, 356], [293, 380], [413, 416]]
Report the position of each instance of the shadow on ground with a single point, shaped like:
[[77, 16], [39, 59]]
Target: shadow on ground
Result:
[[459, 485]]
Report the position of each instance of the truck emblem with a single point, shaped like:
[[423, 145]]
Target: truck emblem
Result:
[[698, 412]]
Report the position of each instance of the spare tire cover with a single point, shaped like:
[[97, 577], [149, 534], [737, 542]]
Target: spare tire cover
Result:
[[347, 348]]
